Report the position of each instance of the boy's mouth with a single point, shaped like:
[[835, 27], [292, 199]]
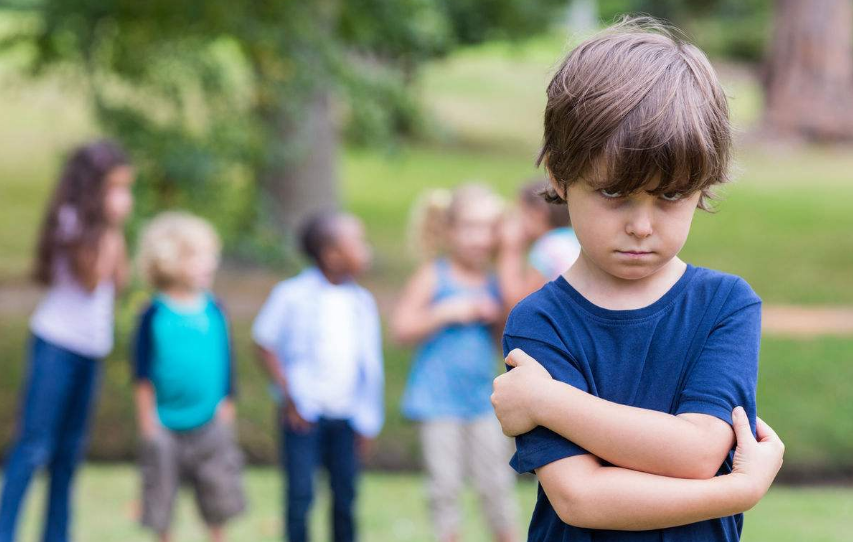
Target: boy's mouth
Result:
[[635, 253]]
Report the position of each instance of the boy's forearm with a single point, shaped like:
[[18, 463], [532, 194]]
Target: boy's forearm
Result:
[[621, 499], [630, 437], [270, 363], [145, 407]]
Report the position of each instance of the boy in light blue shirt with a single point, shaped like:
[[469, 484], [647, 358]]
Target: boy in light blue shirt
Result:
[[319, 340], [184, 379]]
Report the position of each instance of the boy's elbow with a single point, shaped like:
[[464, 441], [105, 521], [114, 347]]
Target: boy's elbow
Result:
[[569, 504], [703, 465], [707, 467]]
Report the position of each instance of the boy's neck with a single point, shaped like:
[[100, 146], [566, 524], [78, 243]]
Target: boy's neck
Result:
[[615, 293], [334, 277], [182, 294]]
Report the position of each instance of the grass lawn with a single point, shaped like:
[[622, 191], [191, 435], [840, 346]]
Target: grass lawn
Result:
[[392, 509]]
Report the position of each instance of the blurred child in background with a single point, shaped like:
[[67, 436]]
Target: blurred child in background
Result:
[[319, 340], [543, 228], [81, 258], [451, 309], [184, 373]]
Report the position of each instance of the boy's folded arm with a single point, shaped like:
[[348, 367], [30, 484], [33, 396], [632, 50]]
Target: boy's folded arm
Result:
[[692, 444], [586, 494], [684, 446]]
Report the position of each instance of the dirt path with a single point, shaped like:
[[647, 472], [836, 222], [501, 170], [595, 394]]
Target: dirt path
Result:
[[245, 291]]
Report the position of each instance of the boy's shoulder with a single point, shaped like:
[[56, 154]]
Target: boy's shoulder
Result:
[[550, 308], [538, 311], [146, 315], [737, 290]]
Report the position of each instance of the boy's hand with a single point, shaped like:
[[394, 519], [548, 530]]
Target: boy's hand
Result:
[[148, 427], [515, 393], [226, 413], [758, 461], [363, 446], [294, 420]]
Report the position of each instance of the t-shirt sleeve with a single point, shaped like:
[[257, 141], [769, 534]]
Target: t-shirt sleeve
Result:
[[228, 340], [542, 446], [143, 346], [726, 372], [268, 324]]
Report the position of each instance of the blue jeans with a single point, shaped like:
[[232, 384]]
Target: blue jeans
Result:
[[52, 433], [331, 443]]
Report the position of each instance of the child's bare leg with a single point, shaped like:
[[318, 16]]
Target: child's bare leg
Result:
[[164, 537], [505, 536]]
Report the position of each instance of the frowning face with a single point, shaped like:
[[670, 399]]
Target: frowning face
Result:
[[630, 236]]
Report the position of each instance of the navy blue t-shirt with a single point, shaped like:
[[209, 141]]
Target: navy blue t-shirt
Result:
[[693, 350]]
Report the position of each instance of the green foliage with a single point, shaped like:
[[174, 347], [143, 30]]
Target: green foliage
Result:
[[731, 29], [203, 91]]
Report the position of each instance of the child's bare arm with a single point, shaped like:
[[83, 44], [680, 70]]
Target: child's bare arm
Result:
[[415, 318], [146, 410], [226, 411], [588, 495], [685, 446], [270, 364], [517, 278]]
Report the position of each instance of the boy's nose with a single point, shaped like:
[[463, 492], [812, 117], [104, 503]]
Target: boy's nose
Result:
[[639, 225]]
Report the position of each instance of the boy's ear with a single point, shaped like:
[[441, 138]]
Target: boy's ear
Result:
[[559, 189]]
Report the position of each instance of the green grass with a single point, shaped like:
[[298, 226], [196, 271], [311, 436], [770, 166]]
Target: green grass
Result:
[[802, 390], [392, 507]]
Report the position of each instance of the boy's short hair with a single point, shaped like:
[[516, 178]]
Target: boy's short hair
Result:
[[167, 240], [632, 104], [318, 232]]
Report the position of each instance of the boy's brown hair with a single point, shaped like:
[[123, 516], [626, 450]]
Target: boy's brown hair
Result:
[[634, 104]]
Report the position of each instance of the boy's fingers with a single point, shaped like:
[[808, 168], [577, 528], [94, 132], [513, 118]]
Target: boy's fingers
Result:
[[740, 422], [765, 432], [517, 358]]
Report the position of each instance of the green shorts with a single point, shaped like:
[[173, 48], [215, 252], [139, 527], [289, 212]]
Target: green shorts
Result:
[[207, 458]]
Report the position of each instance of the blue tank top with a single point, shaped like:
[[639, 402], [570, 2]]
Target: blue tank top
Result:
[[453, 369]]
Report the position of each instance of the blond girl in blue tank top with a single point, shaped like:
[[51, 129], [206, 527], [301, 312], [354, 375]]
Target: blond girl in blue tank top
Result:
[[450, 312]]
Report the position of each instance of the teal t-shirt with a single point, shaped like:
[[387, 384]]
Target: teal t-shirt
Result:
[[185, 352]]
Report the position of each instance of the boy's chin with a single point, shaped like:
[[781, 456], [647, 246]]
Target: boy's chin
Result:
[[633, 271]]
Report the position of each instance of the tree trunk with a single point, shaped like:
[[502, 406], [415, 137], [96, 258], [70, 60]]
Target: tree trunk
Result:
[[809, 71], [301, 174]]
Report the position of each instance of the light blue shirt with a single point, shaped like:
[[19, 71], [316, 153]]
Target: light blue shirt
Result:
[[293, 325], [185, 352]]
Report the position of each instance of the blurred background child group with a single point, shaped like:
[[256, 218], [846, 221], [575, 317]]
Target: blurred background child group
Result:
[[318, 339]]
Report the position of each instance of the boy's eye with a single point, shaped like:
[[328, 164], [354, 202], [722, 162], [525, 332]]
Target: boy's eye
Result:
[[610, 194], [672, 196]]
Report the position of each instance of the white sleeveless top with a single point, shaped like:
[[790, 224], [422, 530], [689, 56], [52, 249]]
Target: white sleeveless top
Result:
[[74, 318], [70, 316]]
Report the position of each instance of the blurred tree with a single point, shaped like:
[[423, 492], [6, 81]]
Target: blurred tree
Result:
[[809, 70], [219, 99]]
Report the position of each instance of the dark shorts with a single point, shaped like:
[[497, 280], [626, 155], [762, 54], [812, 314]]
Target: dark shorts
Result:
[[207, 458]]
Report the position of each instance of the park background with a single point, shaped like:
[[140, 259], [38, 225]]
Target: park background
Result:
[[250, 116]]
